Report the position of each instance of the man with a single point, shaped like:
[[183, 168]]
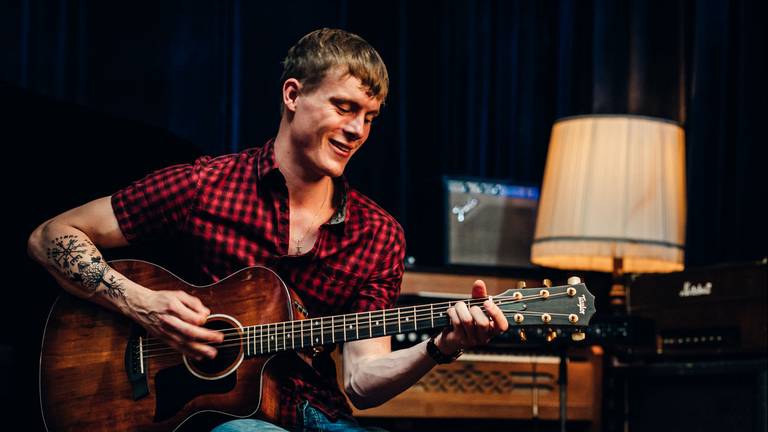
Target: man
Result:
[[286, 206]]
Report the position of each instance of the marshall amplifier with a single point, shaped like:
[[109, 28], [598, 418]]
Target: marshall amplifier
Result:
[[705, 311]]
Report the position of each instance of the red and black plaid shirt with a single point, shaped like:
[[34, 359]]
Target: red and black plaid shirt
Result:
[[233, 212]]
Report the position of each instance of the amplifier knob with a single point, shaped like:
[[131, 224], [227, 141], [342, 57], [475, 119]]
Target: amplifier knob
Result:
[[551, 335]]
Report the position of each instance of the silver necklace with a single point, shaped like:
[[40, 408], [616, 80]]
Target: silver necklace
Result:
[[300, 240]]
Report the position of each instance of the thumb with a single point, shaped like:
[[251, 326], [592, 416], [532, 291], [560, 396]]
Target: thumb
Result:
[[479, 290]]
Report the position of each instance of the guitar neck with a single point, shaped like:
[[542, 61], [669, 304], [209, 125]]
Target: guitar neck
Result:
[[315, 332]]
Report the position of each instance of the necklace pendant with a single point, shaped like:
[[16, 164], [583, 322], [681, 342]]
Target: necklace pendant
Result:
[[298, 248]]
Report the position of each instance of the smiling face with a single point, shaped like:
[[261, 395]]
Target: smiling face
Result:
[[328, 124]]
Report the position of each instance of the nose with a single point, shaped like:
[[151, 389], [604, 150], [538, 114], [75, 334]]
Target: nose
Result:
[[355, 128]]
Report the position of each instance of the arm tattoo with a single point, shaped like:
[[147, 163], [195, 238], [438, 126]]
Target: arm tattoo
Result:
[[81, 262], [68, 250]]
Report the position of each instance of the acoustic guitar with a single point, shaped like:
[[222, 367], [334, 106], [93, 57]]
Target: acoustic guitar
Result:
[[100, 371]]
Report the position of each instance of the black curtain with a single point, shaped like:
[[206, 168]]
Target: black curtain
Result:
[[476, 87], [96, 93]]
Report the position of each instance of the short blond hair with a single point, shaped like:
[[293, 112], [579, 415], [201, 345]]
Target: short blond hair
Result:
[[316, 53]]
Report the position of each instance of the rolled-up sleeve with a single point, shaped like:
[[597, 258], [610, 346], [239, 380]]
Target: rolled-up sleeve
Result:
[[158, 205]]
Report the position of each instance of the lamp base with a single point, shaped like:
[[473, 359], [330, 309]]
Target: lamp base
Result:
[[618, 294], [618, 298]]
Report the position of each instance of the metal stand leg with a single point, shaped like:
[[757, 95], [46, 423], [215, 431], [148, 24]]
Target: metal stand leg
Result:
[[562, 381]]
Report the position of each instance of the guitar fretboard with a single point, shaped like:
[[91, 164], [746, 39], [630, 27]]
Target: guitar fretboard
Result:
[[313, 332]]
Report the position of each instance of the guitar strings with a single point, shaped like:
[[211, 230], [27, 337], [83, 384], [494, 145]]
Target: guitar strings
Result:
[[151, 352], [425, 310], [275, 346], [152, 342]]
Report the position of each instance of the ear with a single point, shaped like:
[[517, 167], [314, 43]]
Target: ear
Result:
[[291, 90]]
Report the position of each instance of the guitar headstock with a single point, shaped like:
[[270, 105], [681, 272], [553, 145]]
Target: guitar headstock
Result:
[[566, 305]]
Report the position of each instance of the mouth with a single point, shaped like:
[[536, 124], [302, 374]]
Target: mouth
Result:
[[342, 149]]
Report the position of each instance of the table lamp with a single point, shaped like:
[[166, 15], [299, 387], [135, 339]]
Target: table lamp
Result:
[[613, 198]]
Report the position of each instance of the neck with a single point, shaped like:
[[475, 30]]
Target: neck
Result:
[[305, 188]]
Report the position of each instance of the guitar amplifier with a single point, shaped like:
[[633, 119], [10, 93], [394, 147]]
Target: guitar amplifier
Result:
[[705, 311], [489, 223]]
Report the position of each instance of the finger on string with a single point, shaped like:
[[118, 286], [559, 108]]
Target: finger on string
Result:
[[481, 325], [203, 349], [500, 321], [458, 328], [466, 322], [190, 331]]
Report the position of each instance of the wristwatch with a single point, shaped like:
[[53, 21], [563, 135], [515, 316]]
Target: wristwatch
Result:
[[438, 355]]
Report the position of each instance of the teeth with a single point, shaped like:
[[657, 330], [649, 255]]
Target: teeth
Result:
[[341, 146]]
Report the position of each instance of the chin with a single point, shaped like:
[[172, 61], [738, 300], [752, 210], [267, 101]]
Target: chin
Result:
[[333, 168], [334, 172]]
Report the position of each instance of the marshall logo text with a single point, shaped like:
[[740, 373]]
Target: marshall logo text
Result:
[[691, 290]]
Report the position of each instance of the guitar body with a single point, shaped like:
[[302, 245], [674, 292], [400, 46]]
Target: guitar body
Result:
[[85, 383]]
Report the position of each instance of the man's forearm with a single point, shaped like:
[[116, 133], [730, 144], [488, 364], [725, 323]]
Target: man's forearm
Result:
[[79, 267], [375, 380]]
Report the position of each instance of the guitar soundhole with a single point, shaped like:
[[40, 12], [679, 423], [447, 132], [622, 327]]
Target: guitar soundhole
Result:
[[229, 351]]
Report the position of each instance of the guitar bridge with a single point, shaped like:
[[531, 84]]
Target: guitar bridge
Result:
[[136, 365]]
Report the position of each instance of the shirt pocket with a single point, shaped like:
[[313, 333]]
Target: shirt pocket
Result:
[[337, 288]]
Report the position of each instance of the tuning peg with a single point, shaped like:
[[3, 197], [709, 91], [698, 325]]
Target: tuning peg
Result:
[[551, 335], [574, 280], [521, 284], [522, 335], [547, 283], [578, 336]]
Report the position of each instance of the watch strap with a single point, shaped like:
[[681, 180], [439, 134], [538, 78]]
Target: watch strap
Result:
[[438, 356]]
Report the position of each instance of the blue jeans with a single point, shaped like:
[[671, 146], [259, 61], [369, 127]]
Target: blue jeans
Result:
[[313, 421]]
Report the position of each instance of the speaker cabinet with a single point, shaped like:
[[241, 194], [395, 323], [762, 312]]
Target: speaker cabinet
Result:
[[702, 396], [489, 223]]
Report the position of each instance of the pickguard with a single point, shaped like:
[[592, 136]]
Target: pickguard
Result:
[[175, 387]]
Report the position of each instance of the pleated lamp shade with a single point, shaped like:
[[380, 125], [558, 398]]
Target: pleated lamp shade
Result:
[[614, 187]]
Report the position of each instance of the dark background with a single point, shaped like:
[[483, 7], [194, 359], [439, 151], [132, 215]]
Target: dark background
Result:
[[95, 94]]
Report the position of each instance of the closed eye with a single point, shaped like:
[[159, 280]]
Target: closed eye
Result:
[[345, 106]]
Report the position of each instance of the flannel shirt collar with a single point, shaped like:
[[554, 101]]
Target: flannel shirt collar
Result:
[[266, 165]]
